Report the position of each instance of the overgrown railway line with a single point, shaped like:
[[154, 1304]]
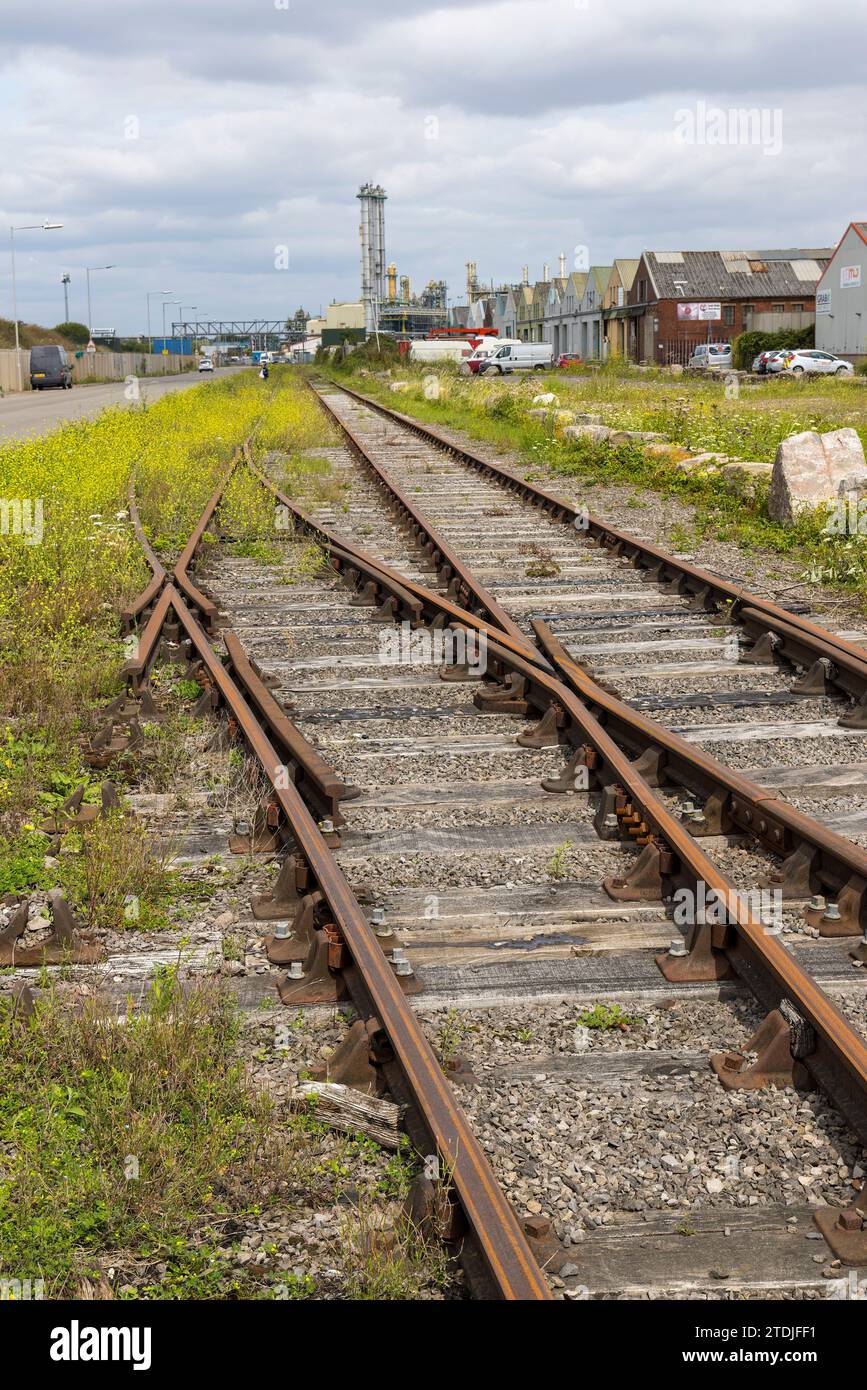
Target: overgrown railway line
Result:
[[804, 1034], [367, 850]]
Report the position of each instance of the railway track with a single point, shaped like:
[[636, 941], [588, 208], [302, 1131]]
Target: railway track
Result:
[[524, 880], [455, 516]]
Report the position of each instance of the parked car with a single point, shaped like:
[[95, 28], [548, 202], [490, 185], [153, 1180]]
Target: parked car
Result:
[[712, 357], [520, 357], [50, 366], [760, 363], [569, 359], [811, 360], [206, 365]]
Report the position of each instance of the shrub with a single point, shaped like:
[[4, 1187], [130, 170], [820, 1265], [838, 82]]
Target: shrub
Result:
[[75, 332]]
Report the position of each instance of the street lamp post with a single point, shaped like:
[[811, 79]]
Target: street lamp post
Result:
[[64, 280], [150, 293], [32, 227], [87, 271]]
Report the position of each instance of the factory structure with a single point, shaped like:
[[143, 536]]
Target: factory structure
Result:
[[388, 302]]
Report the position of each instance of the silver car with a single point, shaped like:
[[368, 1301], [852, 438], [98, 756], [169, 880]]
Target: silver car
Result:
[[712, 357]]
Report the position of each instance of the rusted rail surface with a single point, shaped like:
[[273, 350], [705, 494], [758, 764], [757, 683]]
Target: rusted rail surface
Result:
[[815, 858], [151, 592], [493, 1248], [837, 1058], [426, 605], [317, 782], [192, 593], [839, 1062], [463, 586], [843, 664], [672, 856]]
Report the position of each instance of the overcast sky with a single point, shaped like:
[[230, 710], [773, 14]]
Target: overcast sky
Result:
[[189, 143]]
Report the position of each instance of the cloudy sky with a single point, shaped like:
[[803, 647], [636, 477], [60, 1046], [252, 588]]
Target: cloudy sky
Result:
[[188, 143]]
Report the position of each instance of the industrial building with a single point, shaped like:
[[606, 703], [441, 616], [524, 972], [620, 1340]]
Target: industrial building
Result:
[[841, 297], [389, 305]]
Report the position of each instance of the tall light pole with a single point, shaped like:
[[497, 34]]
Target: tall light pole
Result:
[[32, 227], [87, 271], [64, 280], [150, 293]]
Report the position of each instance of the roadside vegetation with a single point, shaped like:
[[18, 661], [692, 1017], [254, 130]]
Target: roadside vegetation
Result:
[[70, 561], [692, 417]]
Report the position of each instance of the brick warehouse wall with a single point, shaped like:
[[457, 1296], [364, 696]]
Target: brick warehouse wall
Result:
[[677, 334]]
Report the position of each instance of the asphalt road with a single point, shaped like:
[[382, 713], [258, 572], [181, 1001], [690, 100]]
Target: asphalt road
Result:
[[35, 412]]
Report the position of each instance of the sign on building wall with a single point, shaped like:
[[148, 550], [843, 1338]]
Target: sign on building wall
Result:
[[850, 277], [699, 313], [823, 302]]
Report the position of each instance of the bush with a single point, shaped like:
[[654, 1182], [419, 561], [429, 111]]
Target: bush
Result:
[[75, 332], [371, 356], [748, 345]]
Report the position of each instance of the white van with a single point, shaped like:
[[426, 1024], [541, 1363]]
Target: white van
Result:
[[440, 349], [487, 349], [520, 357]]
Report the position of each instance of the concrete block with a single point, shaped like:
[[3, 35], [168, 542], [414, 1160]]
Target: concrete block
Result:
[[813, 469], [596, 433], [741, 477], [635, 437]]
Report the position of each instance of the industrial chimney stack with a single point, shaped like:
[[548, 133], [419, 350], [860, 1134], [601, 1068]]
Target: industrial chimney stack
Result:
[[372, 233]]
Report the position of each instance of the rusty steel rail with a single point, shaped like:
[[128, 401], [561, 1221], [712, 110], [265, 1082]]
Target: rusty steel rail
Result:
[[423, 604], [194, 595], [672, 855], [151, 592], [837, 1056], [816, 860], [495, 1239], [838, 1064], [315, 779], [463, 586], [835, 662], [494, 1250]]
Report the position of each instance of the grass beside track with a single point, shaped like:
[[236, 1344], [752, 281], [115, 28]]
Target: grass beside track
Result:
[[694, 416], [138, 1157], [69, 561]]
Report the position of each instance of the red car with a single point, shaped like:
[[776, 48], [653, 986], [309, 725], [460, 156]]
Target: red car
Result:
[[568, 359]]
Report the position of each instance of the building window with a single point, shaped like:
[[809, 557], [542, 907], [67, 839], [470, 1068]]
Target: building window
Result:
[[748, 309], [728, 314], [797, 308], [778, 308]]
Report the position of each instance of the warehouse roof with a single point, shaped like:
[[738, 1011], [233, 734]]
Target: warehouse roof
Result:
[[735, 274]]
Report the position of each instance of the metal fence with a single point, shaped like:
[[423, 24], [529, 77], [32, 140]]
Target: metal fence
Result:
[[680, 349], [96, 366]]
